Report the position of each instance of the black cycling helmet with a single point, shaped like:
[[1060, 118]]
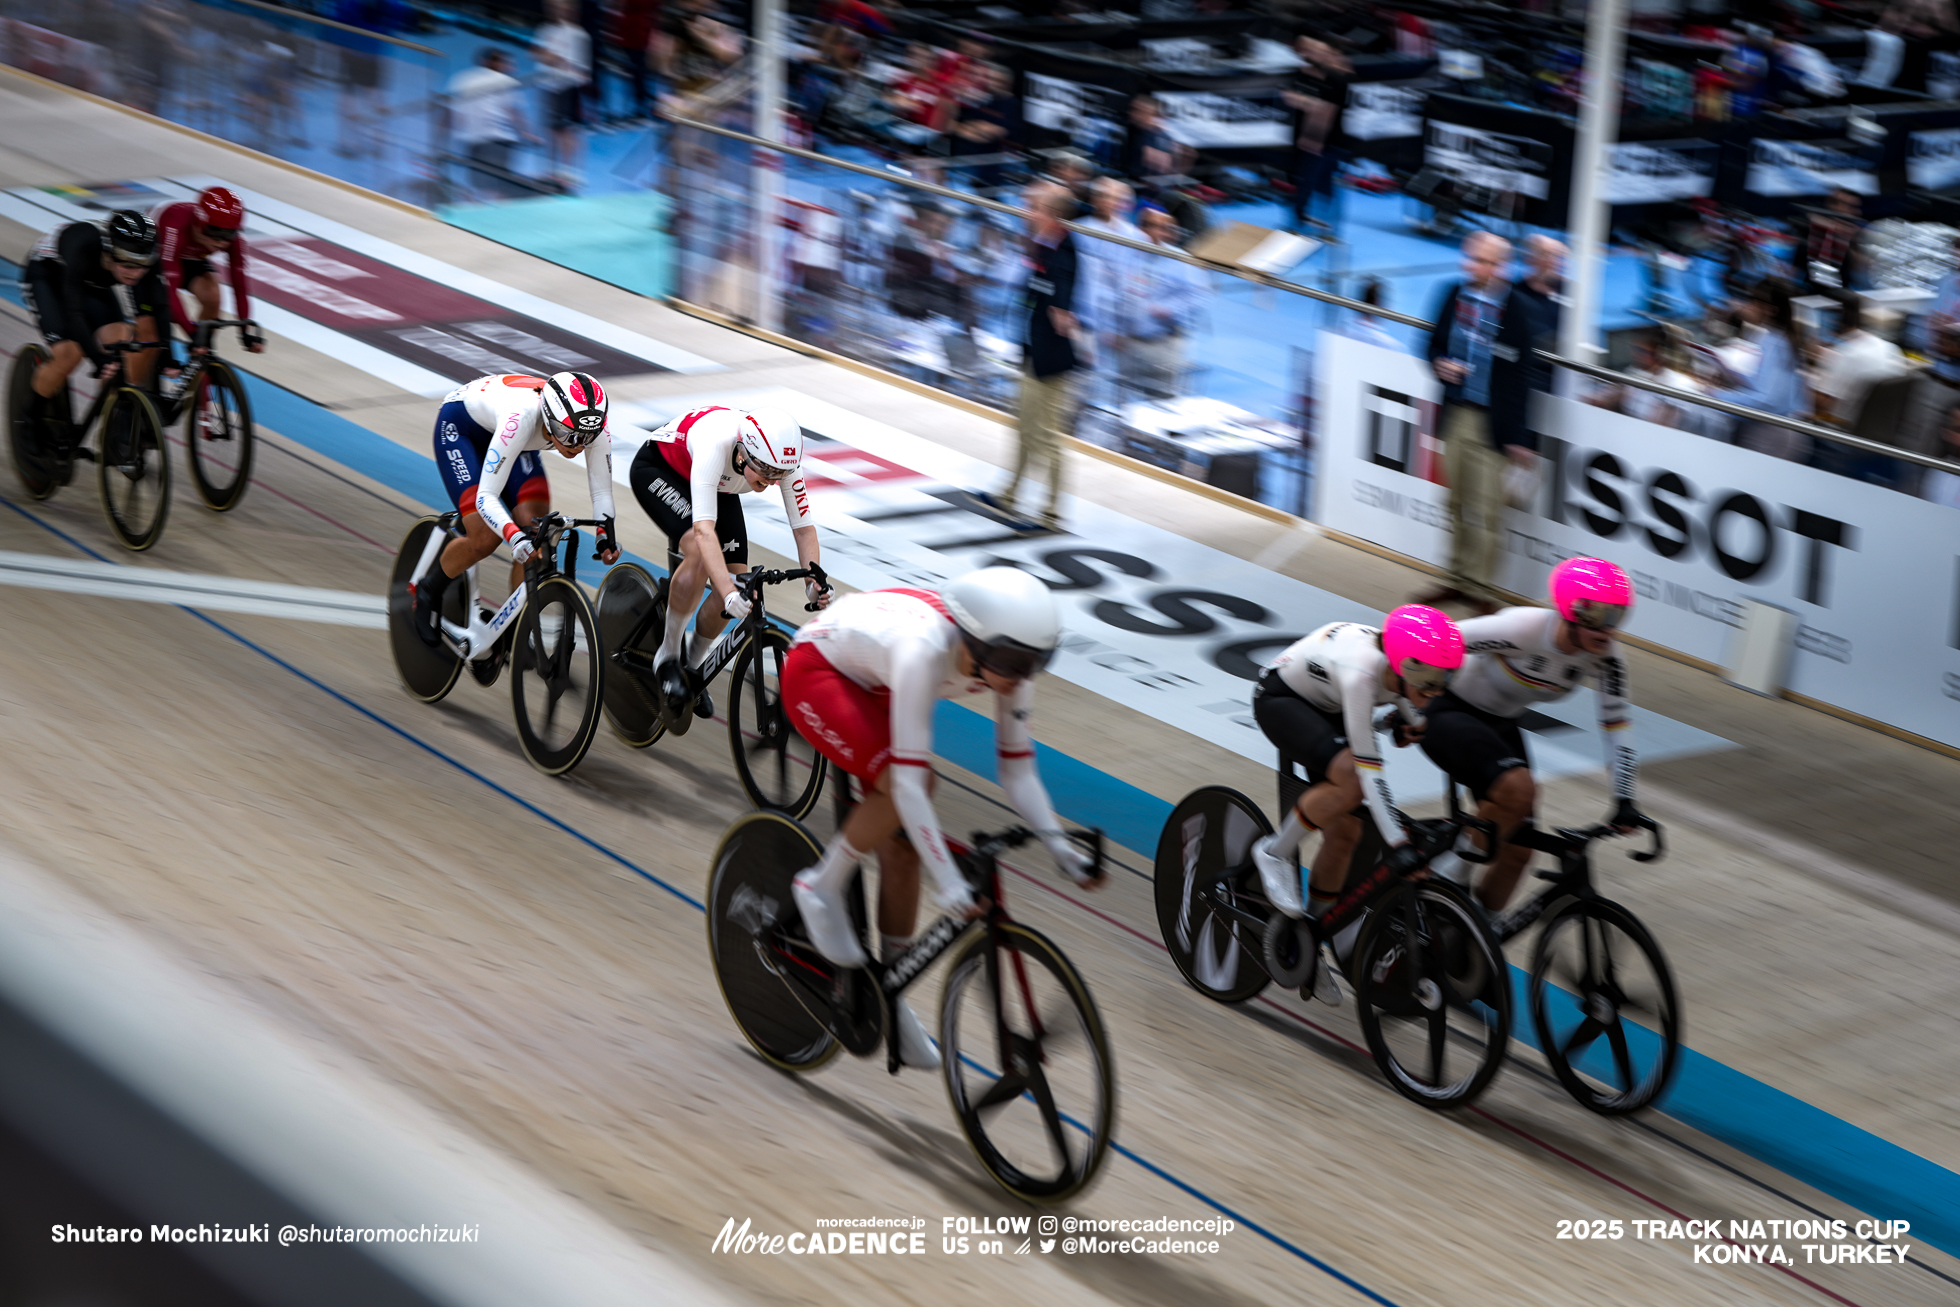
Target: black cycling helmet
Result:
[[132, 237]]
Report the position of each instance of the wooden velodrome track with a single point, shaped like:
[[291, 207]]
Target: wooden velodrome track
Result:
[[525, 955]]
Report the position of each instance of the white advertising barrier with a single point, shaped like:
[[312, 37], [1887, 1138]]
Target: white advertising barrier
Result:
[[1151, 620], [1873, 575]]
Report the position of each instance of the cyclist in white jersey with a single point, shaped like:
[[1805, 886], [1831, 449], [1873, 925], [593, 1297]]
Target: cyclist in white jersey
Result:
[[1316, 702], [488, 437], [1523, 656], [861, 684], [688, 479]]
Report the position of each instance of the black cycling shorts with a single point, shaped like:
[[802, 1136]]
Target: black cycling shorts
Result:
[[1473, 746], [189, 270], [1301, 732], [664, 493]]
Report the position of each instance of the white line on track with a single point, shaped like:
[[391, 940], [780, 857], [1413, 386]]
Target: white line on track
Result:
[[219, 593]]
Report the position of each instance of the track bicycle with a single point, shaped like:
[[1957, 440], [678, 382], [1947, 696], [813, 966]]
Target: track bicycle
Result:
[[545, 631], [778, 768], [218, 436], [1430, 981], [1597, 978], [1022, 1045], [131, 469]]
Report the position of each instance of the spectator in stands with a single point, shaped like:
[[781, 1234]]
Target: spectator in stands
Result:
[[1170, 302], [361, 72], [986, 119], [632, 36], [1832, 257], [693, 47], [1938, 486], [924, 278], [564, 54], [914, 97], [1053, 348], [1541, 294], [1318, 96], [1936, 334], [1367, 328], [1112, 275], [486, 124], [1775, 384], [1074, 174], [1477, 350], [1857, 362], [1653, 360], [1148, 150]]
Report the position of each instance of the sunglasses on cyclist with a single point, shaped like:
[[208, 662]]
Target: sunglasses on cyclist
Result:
[[133, 264], [1421, 678], [769, 476], [221, 235], [1016, 662], [1597, 616]]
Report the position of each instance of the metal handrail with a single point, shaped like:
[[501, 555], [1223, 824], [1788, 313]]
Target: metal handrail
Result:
[[1327, 297], [303, 16]]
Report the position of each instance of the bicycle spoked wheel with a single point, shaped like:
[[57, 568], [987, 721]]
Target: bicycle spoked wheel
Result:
[[1603, 1006], [627, 594], [24, 440], [425, 672], [1211, 830], [218, 436], [133, 470], [748, 905], [1434, 993], [780, 769], [556, 676], [1027, 1064]]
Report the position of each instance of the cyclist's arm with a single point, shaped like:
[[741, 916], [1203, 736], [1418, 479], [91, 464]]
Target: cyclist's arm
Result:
[[598, 475], [1616, 723], [80, 248], [1014, 749], [170, 253], [710, 454], [241, 299], [916, 672], [1358, 713], [508, 441]]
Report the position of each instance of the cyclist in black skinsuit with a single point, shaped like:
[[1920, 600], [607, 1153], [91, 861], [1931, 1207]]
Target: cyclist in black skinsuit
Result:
[[71, 285]]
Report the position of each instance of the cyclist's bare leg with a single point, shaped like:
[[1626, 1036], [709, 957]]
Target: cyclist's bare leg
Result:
[[898, 888], [64, 357], [204, 288], [1509, 802], [1330, 805], [684, 596]]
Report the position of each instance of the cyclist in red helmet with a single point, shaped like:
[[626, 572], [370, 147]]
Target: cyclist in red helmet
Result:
[[189, 233]]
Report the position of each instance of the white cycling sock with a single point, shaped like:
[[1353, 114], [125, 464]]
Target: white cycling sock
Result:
[[892, 947], [833, 873], [670, 644], [1291, 831], [697, 649]]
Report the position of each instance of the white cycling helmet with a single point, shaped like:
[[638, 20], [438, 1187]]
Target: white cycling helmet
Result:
[[1008, 619], [574, 408], [773, 439]]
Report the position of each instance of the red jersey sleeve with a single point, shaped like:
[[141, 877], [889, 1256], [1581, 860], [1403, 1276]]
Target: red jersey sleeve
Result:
[[173, 232]]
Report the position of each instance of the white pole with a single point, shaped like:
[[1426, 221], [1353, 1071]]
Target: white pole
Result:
[[768, 171], [1587, 220]]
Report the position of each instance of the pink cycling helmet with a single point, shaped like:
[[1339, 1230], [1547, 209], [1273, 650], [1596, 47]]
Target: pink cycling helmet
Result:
[[1591, 592], [1413, 633]]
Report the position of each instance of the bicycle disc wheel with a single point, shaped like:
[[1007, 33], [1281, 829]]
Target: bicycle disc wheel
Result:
[[748, 902], [427, 674], [24, 442], [780, 769], [627, 594], [1437, 1016], [1603, 1005], [218, 436], [133, 470], [1211, 830], [556, 676], [1027, 1064]]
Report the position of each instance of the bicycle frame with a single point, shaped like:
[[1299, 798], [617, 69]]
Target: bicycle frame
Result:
[[172, 408], [728, 645], [1573, 879], [477, 638]]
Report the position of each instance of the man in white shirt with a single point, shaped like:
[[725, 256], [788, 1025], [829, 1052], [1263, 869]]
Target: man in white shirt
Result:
[[484, 121], [1112, 275], [564, 54], [1164, 315], [1859, 360]]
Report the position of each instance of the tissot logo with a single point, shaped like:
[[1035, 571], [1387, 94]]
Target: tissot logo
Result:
[[1744, 536]]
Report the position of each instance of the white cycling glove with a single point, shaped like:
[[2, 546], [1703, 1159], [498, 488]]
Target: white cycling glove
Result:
[[521, 549], [737, 605], [1074, 863]]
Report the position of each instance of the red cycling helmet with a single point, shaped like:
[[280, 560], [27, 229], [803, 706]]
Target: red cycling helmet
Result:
[[220, 207]]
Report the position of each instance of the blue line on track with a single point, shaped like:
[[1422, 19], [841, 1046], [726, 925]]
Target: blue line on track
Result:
[[691, 901]]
